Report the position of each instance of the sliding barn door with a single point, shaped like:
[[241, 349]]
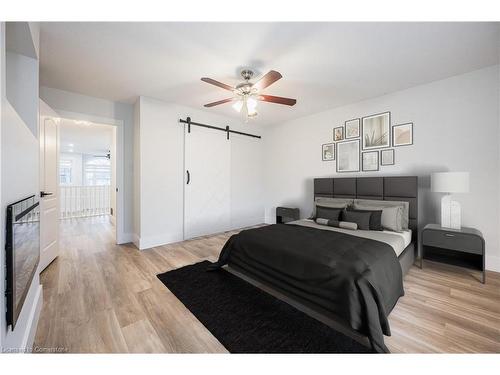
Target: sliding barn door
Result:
[[207, 182]]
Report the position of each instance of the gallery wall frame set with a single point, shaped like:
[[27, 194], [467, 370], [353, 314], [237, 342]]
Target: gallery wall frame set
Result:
[[364, 144]]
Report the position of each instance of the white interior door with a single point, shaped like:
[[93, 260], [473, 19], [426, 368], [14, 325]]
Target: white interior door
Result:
[[207, 185], [49, 204]]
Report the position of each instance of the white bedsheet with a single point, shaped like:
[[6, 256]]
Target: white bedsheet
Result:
[[398, 241]]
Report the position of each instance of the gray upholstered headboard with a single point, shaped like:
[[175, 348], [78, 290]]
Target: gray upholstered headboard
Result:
[[394, 188]]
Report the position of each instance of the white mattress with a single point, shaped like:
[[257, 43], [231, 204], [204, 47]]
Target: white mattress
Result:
[[398, 241]]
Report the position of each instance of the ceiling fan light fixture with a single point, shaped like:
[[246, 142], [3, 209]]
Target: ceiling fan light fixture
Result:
[[238, 105], [246, 95], [251, 104]]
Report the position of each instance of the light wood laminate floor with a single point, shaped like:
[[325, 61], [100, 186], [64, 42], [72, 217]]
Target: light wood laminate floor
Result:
[[100, 297]]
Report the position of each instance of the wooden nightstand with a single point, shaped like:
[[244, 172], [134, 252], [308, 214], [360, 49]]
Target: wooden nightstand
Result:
[[461, 247], [286, 214]]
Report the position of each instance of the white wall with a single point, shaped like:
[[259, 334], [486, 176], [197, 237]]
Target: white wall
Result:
[[160, 173], [22, 88], [19, 179], [456, 128], [65, 101]]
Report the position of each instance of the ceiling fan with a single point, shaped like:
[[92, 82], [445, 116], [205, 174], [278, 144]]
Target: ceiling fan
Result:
[[247, 94]]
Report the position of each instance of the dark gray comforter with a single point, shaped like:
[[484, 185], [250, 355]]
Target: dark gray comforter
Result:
[[358, 280]]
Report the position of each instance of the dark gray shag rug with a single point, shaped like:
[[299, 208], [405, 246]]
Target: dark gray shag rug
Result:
[[246, 319]]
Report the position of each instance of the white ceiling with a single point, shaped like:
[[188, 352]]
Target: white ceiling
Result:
[[324, 65], [85, 137]]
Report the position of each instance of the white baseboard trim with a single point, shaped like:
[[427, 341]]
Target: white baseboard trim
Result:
[[492, 263], [126, 238], [29, 336], [143, 243], [248, 222]]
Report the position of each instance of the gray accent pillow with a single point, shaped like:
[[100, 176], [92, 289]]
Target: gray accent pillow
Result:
[[337, 224], [362, 219], [368, 204], [329, 213], [375, 219], [330, 202], [392, 217]]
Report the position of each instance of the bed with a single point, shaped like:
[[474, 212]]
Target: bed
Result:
[[354, 278]]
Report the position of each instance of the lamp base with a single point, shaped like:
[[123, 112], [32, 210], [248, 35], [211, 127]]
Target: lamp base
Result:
[[450, 213], [446, 211], [455, 215]]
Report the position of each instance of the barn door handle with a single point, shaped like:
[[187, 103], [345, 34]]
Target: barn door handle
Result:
[[43, 194], [188, 177]]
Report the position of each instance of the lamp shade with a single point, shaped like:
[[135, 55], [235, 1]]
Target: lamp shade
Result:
[[450, 182]]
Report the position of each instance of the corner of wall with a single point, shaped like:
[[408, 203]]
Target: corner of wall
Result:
[[137, 172], [34, 28]]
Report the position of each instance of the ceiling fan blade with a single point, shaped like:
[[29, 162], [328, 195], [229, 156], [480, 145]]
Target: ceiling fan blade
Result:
[[276, 99], [217, 83], [219, 102], [267, 80]]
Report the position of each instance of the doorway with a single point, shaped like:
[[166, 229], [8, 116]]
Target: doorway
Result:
[[87, 172], [81, 180]]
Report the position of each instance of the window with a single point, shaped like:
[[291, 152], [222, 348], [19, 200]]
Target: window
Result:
[[97, 171], [65, 171]]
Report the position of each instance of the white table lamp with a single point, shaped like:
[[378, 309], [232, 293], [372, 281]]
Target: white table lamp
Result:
[[450, 182]]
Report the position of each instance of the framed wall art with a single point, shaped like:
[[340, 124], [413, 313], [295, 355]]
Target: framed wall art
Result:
[[328, 152], [369, 161], [376, 131], [352, 128], [387, 157], [338, 133], [402, 135], [348, 156]]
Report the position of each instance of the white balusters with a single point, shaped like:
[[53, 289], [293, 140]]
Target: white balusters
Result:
[[83, 201]]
